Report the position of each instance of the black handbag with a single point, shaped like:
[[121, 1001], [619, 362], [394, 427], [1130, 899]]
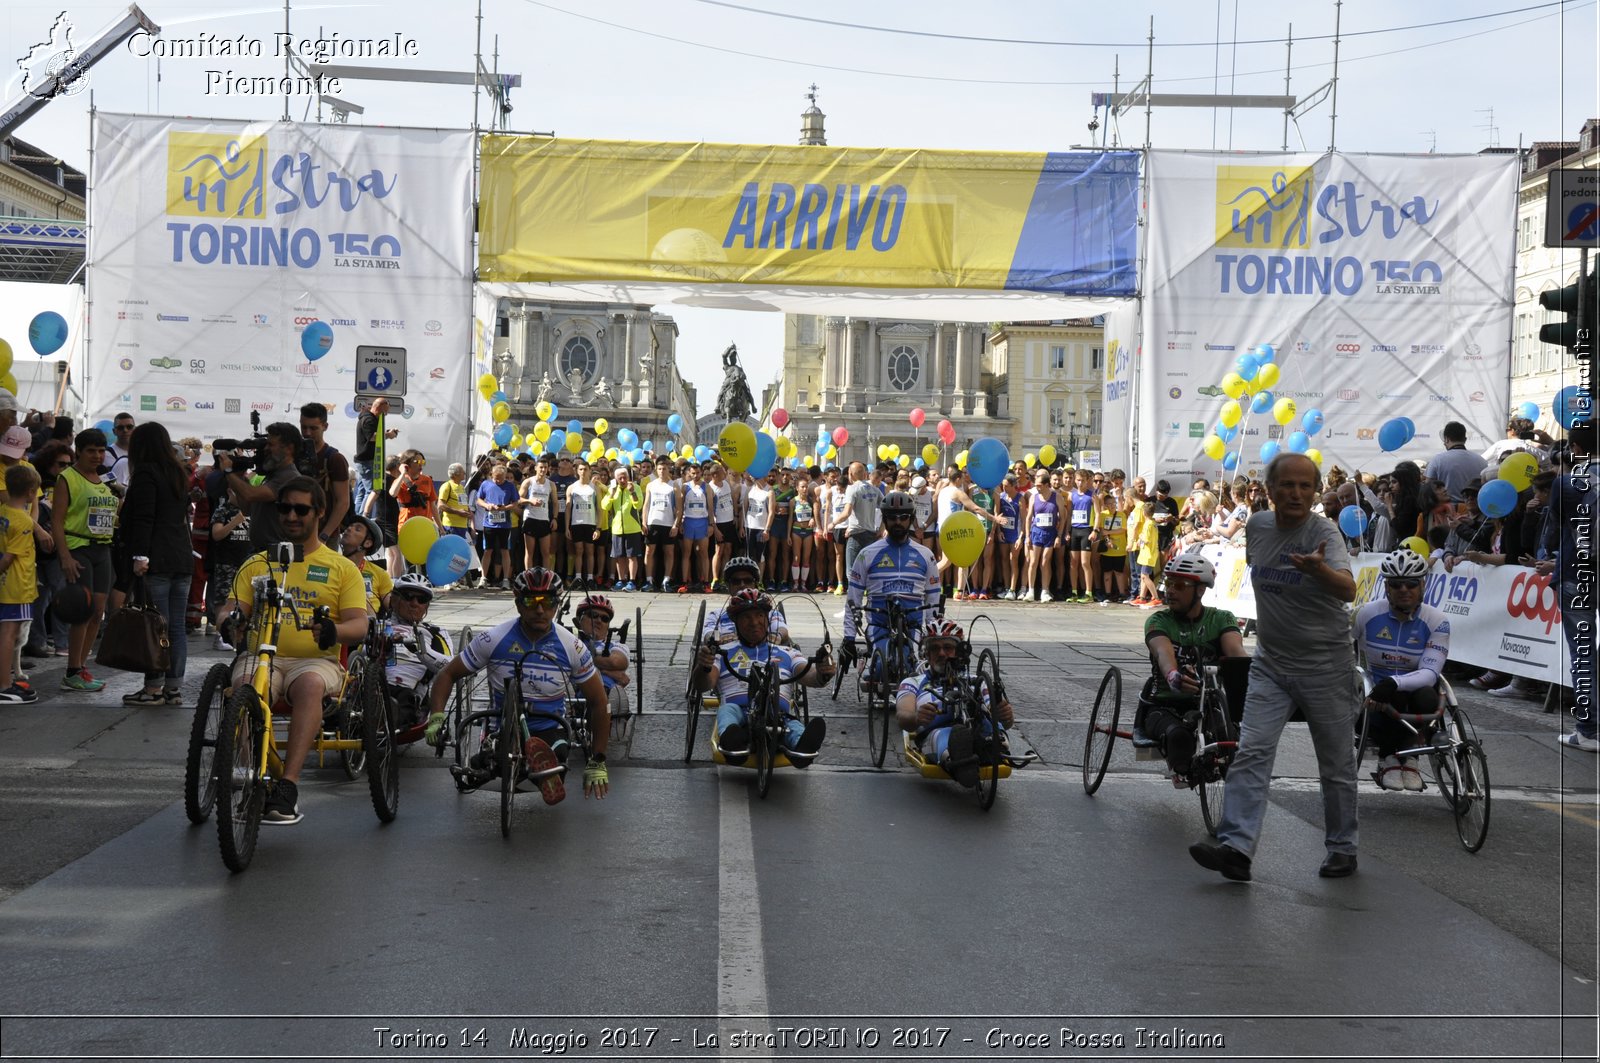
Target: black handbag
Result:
[[136, 639]]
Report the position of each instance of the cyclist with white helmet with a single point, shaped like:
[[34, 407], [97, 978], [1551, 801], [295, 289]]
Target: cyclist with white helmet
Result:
[[920, 706], [1405, 644], [1183, 638], [593, 618], [413, 660], [737, 575]]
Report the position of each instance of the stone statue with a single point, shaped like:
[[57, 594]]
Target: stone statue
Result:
[[547, 387], [734, 402], [575, 381], [602, 391]]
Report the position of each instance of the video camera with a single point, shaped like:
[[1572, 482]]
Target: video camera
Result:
[[247, 453]]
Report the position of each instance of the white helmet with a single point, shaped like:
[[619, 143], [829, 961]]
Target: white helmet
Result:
[[1403, 563], [1191, 566], [415, 583]]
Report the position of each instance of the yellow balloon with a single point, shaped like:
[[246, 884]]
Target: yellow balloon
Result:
[[575, 442], [1417, 545], [600, 427], [501, 412], [1315, 455], [894, 451], [5, 359], [1029, 460], [962, 536], [810, 461], [541, 431], [903, 460], [1284, 410], [1518, 469], [1267, 376], [785, 447], [8, 382], [831, 453], [1230, 414], [536, 448], [488, 385], [737, 444], [1233, 385], [1214, 447], [1047, 455], [611, 453], [516, 440], [415, 538], [930, 454], [543, 410], [961, 460]]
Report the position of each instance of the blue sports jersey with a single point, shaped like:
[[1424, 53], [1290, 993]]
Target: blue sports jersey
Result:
[[734, 690], [544, 675], [885, 569], [1411, 652], [719, 626]]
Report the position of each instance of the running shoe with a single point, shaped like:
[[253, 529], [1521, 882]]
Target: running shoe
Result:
[[81, 680], [283, 804], [540, 758]]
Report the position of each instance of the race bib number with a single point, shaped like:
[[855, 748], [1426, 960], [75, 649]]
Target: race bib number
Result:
[[583, 509], [536, 508], [802, 512], [1044, 520], [496, 518], [1080, 516], [102, 518]]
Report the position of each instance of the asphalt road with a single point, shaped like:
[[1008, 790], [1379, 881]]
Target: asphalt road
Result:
[[851, 914]]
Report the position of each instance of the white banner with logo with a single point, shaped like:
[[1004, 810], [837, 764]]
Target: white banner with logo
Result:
[[1384, 282], [1503, 617], [1117, 400], [214, 244]]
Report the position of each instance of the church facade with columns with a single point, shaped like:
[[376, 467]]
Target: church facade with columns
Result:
[[594, 360]]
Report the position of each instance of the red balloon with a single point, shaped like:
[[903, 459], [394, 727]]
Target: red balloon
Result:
[[917, 417], [841, 436], [947, 432], [780, 417]]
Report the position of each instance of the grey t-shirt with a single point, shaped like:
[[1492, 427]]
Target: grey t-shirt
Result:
[[1301, 628], [862, 500], [264, 527]]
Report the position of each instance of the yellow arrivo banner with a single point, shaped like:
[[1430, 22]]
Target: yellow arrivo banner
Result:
[[587, 210]]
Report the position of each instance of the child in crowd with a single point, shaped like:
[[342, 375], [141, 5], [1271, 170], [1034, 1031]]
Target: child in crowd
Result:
[[18, 578]]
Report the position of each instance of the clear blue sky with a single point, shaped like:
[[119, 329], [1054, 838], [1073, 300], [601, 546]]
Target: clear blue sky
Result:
[[1405, 91]]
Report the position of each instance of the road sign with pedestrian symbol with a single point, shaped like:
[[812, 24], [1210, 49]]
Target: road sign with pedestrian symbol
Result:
[[380, 371], [1572, 209]]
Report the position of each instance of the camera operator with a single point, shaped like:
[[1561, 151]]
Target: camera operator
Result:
[[274, 461]]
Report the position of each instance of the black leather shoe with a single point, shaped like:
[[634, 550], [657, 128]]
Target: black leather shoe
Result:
[[1338, 865], [1215, 856]]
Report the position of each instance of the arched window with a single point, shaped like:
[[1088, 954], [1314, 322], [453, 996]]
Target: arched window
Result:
[[578, 354], [903, 368]]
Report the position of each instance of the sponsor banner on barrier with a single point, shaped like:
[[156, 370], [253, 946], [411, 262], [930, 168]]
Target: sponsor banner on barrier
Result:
[[1503, 617], [1117, 399], [589, 210], [1383, 282], [216, 244]]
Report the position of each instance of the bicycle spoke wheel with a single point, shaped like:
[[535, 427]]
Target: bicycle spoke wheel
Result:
[[348, 716], [377, 742], [1102, 729], [762, 752], [1212, 792], [986, 740], [240, 785], [691, 696], [1472, 796], [507, 758], [878, 709], [199, 767]]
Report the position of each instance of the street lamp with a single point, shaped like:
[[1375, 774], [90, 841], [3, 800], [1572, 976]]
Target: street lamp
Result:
[[1072, 437]]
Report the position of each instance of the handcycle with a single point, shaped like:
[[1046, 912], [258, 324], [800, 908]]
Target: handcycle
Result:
[[1457, 765], [972, 699], [889, 663], [768, 723], [460, 696], [486, 730], [245, 754], [1220, 705]]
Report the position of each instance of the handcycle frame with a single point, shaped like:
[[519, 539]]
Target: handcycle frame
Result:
[[1214, 752], [245, 751], [1455, 756], [894, 662], [974, 696], [767, 720], [508, 754]]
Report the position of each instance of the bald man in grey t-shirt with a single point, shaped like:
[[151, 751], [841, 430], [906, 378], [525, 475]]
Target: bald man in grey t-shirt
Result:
[[1300, 572]]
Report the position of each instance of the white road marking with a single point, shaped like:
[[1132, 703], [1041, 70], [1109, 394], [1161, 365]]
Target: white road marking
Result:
[[741, 954]]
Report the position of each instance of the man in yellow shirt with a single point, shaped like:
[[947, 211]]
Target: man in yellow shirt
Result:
[[358, 540], [307, 664]]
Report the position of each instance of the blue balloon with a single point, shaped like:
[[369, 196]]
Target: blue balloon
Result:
[[794, 463], [766, 455], [555, 411], [1262, 402], [1246, 365], [627, 439], [637, 454], [47, 332], [1265, 353], [625, 457], [1572, 405], [1226, 434], [919, 463], [1312, 421], [1298, 442], [823, 444], [1230, 460], [1352, 521], [574, 427], [448, 560], [1270, 449], [702, 453], [316, 340], [1392, 435], [987, 462], [1497, 498], [675, 423], [105, 428], [556, 443], [498, 396], [648, 446], [502, 434], [1410, 427], [1529, 410]]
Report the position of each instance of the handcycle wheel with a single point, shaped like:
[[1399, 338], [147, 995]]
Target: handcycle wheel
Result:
[[986, 733], [761, 749], [838, 679], [1102, 731], [506, 753], [1213, 774], [199, 767], [1212, 792], [877, 708], [1472, 795], [239, 756], [691, 696], [377, 743], [638, 661], [350, 713]]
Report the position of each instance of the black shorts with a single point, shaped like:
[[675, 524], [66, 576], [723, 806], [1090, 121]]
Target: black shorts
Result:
[[660, 535], [1080, 540], [496, 538], [581, 533], [780, 526], [729, 531], [839, 536], [535, 529]]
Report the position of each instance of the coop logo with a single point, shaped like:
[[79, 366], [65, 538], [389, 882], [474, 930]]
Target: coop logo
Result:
[[1174, 393], [346, 322], [1226, 347], [301, 321], [125, 364], [1531, 598], [1347, 348], [1348, 394], [307, 369], [230, 405], [1385, 348], [173, 317], [177, 404], [432, 328], [53, 67], [1427, 348], [436, 373]]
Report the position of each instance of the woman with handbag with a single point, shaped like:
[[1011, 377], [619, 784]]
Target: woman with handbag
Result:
[[154, 529]]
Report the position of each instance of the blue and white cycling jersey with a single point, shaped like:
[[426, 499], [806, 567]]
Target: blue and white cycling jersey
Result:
[[544, 675], [734, 690], [719, 626], [618, 650], [936, 733], [885, 569], [1411, 652]]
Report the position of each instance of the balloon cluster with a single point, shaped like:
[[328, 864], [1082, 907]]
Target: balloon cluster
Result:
[[1248, 387], [47, 334], [1396, 433]]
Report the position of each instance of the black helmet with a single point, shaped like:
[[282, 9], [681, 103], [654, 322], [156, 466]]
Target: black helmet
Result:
[[897, 502]]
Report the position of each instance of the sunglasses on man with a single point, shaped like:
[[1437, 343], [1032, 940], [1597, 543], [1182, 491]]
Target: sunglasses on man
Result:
[[299, 509], [539, 601], [413, 597], [1403, 584]]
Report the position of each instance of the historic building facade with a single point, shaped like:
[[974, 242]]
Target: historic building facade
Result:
[[1048, 379]]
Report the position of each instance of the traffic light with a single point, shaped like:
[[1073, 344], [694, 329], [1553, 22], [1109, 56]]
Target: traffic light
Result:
[[1568, 301]]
